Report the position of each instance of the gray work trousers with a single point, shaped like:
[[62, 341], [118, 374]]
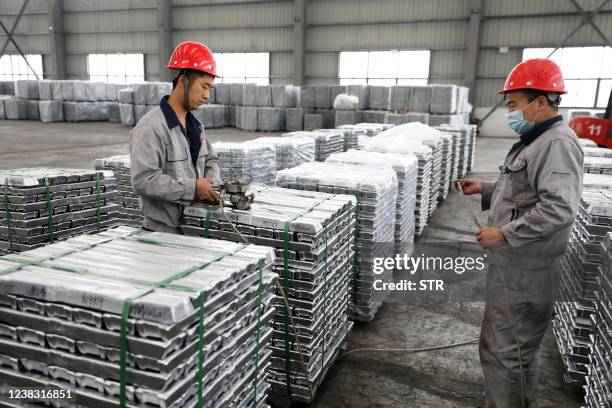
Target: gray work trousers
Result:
[[530, 296]]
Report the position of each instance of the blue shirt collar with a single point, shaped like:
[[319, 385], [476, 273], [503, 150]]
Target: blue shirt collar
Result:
[[537, 130], [171, 118]]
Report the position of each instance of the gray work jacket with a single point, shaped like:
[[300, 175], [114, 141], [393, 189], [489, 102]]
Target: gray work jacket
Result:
[[163, 173], [536, 198]]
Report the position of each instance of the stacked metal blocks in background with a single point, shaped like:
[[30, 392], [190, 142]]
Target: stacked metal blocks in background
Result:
[[290, 151], [406, 169], [313, 236], [41, 205], [129, 212], [375, 188], [252, 162], [327, 142]]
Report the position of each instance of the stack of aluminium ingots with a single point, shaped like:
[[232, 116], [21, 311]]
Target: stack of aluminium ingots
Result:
[[467, 143], [42, 205], [579, 285], [455, 152], [350, 136], [599, 379], [375, 188], [290, 151], [597, 151], [139, 319], [313, 236], [254, 163], [425, 164], [327, 142], [129, 211], [406, 169], [598, 164]]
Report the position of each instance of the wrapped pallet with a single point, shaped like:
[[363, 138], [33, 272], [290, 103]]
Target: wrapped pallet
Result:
[[443, 99], [263, 96], [271, 119], [114, 116], [16, 109], [420, 98], [379, 98], [45, 92], [362, 92], [284, 96], [33, 110], [126, 114], [26, 89], [399, 98], [307, 96]]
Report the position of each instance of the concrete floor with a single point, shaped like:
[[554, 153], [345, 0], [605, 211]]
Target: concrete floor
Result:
[[444, 378]]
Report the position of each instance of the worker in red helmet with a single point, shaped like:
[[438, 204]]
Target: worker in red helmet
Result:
[[532, 207], [172, 162]]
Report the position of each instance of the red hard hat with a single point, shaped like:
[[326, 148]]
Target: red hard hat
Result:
[[539, 73], [193, 55]]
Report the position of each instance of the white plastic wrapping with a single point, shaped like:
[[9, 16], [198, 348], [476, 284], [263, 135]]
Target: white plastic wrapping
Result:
[[346, 102]]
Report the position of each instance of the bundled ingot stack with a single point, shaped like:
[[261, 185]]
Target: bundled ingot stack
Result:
[[255, 163], [573, 326], [406, 169], [42, 205], [129, 211], [290, 151], [375, 188], [145, 319], [313, 236], [327, 142], [599, 379]]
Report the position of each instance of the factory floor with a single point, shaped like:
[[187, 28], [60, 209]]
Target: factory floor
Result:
[[443, 378]]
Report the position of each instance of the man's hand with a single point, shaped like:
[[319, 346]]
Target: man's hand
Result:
[[490, 237], [205, 192], [469, 186]]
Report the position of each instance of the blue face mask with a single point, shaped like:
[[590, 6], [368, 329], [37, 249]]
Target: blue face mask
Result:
[[517, 122]]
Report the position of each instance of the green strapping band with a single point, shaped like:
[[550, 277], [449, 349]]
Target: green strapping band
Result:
[[49, 210], [127, 306], [258, 335], [22, 264], [97, 202], [8, 215], [286, 286]]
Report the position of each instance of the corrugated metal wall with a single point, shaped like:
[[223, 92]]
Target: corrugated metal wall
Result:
[[331, 26]]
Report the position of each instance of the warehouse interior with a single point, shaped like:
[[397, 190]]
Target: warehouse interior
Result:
[[372, 55]]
